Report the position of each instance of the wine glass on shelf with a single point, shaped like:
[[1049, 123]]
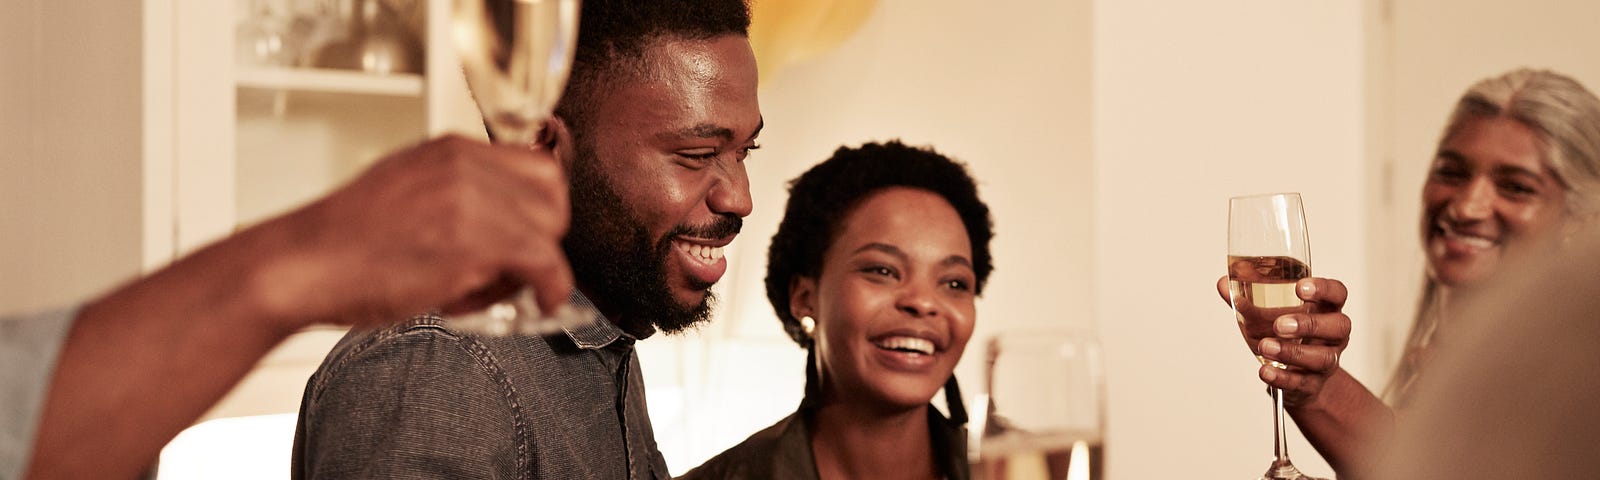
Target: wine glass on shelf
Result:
[[1044, 403], [1268, 251], [265, 37], [516, 55]]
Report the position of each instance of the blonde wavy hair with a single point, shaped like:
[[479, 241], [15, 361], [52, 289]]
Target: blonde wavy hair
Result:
[[1566, 119]]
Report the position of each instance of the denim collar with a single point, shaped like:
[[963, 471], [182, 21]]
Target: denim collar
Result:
[[598, 333]]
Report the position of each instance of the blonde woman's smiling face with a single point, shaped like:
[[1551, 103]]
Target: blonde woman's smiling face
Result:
[[1489, 194]]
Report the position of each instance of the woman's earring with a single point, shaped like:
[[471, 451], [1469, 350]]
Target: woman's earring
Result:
[[808, 325]]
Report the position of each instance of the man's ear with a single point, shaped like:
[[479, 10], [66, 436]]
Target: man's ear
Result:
[[802, 295], [557, 137]]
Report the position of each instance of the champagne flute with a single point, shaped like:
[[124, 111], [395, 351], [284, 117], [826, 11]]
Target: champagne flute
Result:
[[1268, 251], [1044, 402], [516, 55]]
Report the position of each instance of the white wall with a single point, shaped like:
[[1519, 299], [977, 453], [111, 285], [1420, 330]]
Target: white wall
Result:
[[1196, 102], [1004, 92], [70, 142]]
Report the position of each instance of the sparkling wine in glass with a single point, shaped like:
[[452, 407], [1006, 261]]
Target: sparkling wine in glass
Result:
[[516, 55], [1268, 251], [1044, 402]]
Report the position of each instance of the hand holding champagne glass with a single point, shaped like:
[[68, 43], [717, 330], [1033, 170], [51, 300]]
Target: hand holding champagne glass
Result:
[[1045, 407], [516, 55], [1268, 251]]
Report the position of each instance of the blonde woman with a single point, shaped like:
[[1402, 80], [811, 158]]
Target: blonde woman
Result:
[[1516, 170]]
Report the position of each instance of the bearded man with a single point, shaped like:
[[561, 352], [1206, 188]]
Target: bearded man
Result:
[[653, 131]]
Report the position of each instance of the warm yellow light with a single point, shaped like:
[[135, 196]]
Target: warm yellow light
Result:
[[783, 32]]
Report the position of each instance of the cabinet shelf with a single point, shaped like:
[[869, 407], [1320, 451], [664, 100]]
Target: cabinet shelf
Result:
[[331, 81]]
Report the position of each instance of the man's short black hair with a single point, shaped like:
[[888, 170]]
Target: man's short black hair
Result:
[[820, 198], [613, 36]]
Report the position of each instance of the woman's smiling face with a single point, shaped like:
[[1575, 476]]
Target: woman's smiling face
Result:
[[894, 302], [1489, 194]]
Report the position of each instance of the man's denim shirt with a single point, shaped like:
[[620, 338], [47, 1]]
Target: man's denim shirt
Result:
[[419, 400]]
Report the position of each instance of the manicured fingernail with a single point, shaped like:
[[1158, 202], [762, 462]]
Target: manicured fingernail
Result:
[[1307, 288], [1269, 373], [1270, 347], [1286, 325]]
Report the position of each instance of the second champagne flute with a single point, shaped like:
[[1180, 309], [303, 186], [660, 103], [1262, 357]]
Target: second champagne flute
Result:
[[516, 55], [1268, 251], [1044, 402]]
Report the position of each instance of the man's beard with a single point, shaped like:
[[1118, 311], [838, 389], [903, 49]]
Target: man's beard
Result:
[[617, 263]]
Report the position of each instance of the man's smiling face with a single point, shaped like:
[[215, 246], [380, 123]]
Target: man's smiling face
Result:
[[659, 184]]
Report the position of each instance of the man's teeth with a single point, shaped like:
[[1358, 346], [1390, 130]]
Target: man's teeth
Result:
[[705, 253], [914, 344]]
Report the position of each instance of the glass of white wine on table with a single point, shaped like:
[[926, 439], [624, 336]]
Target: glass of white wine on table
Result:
[[1268, 252], [1044, 407], [516, 55]]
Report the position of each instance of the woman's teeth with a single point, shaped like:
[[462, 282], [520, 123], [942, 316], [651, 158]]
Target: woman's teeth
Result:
[[1478, 242], [911, 344], [1469, 240]]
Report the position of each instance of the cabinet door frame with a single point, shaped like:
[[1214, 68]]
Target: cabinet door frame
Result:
[[202, 125]]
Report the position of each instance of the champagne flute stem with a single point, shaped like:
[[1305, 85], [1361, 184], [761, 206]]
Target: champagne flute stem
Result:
[[1280, 441], [517, 131]]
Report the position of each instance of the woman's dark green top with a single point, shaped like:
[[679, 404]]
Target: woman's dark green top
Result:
[[783, 452]]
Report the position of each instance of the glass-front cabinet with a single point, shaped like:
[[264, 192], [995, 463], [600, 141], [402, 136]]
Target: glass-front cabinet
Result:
[[274, 103], [290, 98], [279, 101]]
